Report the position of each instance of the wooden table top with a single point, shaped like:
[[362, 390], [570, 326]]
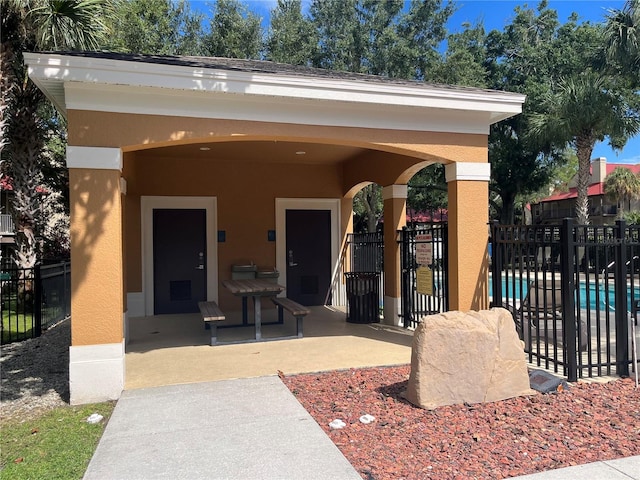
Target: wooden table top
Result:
[[252, 287]]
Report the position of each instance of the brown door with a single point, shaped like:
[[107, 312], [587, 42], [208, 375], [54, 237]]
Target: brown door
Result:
[[179, 260], [309, 256]]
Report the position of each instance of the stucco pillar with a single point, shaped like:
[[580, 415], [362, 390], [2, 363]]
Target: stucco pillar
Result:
[[468, 212], [96, 355], [395, 217]]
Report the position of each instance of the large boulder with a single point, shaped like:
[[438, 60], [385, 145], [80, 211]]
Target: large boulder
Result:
[[470, 357]]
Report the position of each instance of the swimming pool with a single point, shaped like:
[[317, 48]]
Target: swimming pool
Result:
[[592, 295]]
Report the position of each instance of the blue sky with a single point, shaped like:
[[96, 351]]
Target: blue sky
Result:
[[495, 14]]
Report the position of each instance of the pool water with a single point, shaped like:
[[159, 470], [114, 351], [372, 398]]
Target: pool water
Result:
[[591, 296]]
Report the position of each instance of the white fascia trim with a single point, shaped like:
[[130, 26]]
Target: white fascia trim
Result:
[[147, 101], [123, 72], [394, 191], [45, 69], [96, 372], [104, 158], [468, 171]]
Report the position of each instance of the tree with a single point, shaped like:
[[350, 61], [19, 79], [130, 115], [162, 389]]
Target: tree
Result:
[[622, 186], [427, 190], [367, 208], [291, 37], [29, 25], [622, 38], [465, 58], [421, 31], [340, 46], [518, 61], [156, 27], [235, 32], [586, 109], [380, 38]]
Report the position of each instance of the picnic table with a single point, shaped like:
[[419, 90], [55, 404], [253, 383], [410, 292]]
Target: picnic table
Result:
[[254, 289]]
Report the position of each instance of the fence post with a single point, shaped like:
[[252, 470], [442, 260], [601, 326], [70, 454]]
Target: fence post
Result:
[[567, 281], [444, 231], [496, 267], [37, 301], [67, 289], [406, 277], [620, 287]]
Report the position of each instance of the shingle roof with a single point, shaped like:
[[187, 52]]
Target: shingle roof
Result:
[[260, 66]]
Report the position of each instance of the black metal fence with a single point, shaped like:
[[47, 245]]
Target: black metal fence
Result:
[[574, 292], [33, 299], [424, 289]]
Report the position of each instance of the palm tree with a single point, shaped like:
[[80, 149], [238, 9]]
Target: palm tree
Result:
[[586, 109], [30, 25], [622, 37], [621, 186]]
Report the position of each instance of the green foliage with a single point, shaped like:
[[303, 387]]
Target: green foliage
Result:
[[56, 445], [235, 32], [587, 107], [156, 27], [28, 122], [59, 24], [632, 217], [291, 37], [370, 36], [622, 40], [427, 191], [465, 59], [367, 208], [621, 186]]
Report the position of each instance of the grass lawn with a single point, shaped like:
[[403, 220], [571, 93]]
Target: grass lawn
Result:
[[57, 445], [15, 325]]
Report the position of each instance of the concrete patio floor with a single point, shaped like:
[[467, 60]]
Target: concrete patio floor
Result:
[[174, 349]]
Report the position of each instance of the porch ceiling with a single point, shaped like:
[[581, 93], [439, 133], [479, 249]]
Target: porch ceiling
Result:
[[265, 151]]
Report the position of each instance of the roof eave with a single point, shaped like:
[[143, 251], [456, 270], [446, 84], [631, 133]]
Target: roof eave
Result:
[[51, 72]]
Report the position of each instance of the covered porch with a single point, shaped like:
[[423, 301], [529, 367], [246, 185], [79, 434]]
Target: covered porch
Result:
[[174, 349], [182, 167]]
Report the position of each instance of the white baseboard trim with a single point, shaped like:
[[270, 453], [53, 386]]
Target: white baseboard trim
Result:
[[392, 310], [135, 304], [96, 373]]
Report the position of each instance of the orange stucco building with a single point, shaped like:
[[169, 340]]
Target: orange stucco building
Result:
[[201, 164]]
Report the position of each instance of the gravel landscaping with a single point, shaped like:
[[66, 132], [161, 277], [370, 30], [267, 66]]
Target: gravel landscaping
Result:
[[587, 422], [35, 374]]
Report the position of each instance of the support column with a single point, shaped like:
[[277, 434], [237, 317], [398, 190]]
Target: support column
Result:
[[468, 212], [395, 217], [96, 355]]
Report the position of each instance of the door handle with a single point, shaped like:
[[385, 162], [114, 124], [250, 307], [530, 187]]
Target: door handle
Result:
[[291, 262], [200, 267]]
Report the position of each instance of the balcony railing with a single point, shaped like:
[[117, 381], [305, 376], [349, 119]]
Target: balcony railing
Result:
[[6, 225]]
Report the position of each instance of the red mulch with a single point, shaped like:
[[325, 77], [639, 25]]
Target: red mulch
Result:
[[587, 422]]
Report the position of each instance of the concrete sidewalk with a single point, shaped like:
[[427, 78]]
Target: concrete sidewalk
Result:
[[620, 469], [248, 429], [231, 429]]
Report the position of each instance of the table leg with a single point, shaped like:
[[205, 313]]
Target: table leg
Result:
[[257, 311], [245, 318]]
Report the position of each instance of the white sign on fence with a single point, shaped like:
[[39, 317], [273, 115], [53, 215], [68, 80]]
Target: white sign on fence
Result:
[[424, 249]]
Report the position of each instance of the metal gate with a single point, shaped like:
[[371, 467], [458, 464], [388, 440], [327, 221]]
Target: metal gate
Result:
[[424, 272]]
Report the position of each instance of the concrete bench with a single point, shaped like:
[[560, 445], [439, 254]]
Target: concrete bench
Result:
[[295, 309], [211, 314]]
